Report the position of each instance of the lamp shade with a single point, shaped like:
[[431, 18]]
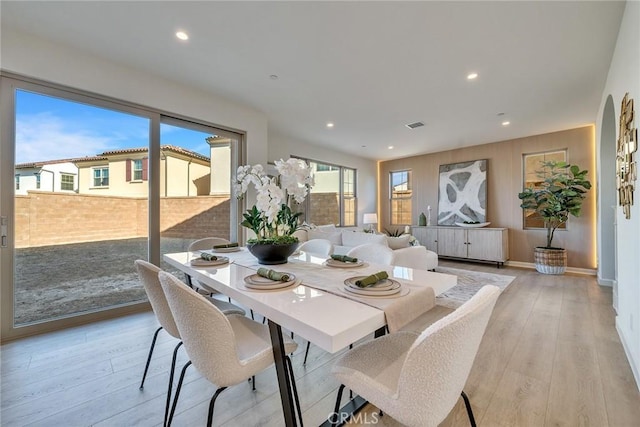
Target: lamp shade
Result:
[[370, 218]]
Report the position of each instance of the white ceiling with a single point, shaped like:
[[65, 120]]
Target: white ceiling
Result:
[[369, 67]]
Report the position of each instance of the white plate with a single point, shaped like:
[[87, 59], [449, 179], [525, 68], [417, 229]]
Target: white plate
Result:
[[339, 264], [256, 281], [199, 262], [388, 287], [479, 225], [227, 250]]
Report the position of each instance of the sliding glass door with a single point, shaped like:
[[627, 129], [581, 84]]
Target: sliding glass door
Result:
[[196, 163], [89, 185]]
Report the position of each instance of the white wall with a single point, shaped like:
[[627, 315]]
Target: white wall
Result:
[[624, 76], [32, 56], [281, 146]]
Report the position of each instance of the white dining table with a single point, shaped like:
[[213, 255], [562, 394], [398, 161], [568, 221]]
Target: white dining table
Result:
[[322, 316]]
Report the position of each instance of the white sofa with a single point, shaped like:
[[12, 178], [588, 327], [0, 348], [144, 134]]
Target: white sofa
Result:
[[406, 254]]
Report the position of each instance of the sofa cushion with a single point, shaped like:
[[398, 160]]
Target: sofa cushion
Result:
[[357, 238], [399, 242], [335, 237]]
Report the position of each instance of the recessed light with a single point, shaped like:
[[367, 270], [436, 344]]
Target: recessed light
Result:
[[329, 125], [500, 114], [273, 77], [182, 35], [505, 123], [472, 76], [390, 147]]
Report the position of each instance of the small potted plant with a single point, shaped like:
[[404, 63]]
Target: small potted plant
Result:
[[560, 193], [271, 218]]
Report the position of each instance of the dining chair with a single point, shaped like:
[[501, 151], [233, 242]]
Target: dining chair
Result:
[[373, 252], [226, 350], [320, 247], [417, 378], [148, 274]]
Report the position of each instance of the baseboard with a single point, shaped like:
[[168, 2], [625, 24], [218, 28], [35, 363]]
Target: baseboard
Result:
[[606, 282], [575, 270], [634, 368]]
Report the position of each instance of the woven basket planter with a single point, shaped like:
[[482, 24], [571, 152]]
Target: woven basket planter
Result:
[[550, 261]]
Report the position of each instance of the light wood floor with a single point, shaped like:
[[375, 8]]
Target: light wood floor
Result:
[[550, 357]]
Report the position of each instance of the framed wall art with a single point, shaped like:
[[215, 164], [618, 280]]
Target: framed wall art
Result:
[[462, 192]]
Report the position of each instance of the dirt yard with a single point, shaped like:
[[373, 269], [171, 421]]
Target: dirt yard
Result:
[[56, 281]]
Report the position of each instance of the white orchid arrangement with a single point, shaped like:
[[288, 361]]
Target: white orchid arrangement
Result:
[[271, 218]]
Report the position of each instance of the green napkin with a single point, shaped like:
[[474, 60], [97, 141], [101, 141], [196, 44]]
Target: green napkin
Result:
[[208, 257], [344, 258], [273, 275], [371, 280], [226, 245]]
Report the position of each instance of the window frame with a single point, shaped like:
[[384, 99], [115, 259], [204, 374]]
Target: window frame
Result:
[[341, 193], [393, 216], [62, 183], [102, 169]]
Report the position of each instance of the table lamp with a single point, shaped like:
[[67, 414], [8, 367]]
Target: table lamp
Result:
[[370, 219]]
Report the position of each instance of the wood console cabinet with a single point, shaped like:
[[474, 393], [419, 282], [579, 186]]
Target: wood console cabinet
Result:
[[483, 244]]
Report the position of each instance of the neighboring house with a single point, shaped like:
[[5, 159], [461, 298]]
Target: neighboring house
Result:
[[125, 173], [52, 175]]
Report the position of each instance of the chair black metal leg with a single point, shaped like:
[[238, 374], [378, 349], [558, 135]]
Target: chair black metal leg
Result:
[[253, 382], [146, 368], [251, 311], [336, 411], [306, 353], [175, 399], [211, 403], [170, 386], [295, 389], [472, 420]]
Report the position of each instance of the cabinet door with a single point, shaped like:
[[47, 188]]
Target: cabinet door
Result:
[[452, 242], [485, 245], [420, 233], [431, 240]]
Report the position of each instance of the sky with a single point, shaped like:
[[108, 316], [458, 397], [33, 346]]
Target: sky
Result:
[[49, 128]]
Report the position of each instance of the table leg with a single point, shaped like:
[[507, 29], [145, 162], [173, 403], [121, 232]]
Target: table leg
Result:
[[284, 382]]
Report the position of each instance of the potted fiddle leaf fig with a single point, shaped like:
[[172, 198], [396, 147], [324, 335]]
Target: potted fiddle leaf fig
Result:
[[559, 194]]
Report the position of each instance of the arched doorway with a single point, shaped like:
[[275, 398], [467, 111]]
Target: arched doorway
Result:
[[608, 201]]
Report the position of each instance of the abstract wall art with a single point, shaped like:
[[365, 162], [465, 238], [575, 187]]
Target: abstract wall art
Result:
[[462, 192], [625, 159]]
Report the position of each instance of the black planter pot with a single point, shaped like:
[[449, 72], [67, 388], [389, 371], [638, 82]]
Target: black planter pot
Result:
[[271, 254]]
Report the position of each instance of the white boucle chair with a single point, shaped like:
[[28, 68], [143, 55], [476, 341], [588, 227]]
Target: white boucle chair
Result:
[[374, 253], [148, 275], [206, 243], [418, 378], [320, 247], [415, 257], [226, 350]]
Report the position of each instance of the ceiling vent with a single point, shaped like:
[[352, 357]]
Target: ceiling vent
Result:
[[414, 125]]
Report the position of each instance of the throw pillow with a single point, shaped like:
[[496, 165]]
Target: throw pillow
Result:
[[399, 242], [358, 238], [334, 237]]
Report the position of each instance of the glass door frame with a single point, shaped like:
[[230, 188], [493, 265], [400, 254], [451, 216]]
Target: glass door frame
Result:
[[9, 83]]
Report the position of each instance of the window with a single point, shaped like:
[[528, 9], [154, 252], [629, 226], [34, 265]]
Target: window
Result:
[[333, 198], [17, 182], [67, 182], [137, 170], [37, 181], [101, 177], [400, 197]]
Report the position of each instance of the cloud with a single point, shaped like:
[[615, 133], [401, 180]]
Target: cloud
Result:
[[44, 136]]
